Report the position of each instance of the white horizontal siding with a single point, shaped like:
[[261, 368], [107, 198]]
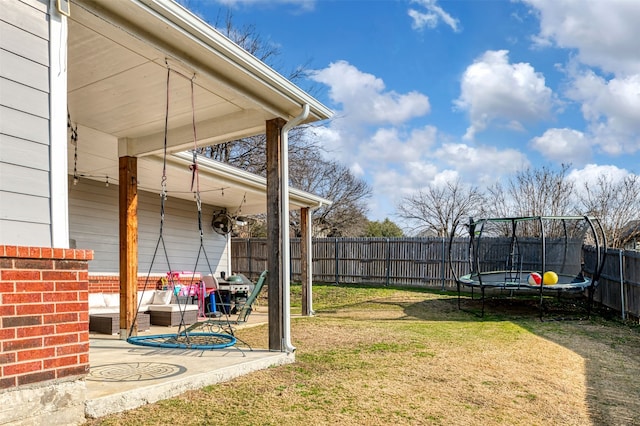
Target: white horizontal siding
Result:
[[93, 224], [21, 70], [22, 234], [25, 209], [24, 98], [23, 126], [24, 180], [22, 152], [26, 15], [23, 43]]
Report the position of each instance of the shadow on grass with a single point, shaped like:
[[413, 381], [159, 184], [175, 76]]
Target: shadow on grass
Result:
[[610, 349]]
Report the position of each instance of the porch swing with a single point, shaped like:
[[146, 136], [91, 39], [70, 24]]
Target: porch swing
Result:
[[184, 338]]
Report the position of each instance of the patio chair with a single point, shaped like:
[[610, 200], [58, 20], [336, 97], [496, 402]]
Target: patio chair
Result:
[[243, 312], [244, 309]]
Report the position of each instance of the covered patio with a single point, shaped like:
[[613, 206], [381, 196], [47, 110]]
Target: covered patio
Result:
[[141, 82], [148, 80], [143, 375]]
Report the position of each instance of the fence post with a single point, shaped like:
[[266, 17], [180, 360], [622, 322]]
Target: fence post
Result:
[[249, 257], [442, 264], [335, 242], [621, 285], [388, 262]]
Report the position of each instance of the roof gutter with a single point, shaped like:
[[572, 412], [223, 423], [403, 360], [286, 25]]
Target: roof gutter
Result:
[[206, 35], [284, 228]]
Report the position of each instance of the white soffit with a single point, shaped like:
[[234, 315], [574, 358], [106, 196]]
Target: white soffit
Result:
[[118, 54]]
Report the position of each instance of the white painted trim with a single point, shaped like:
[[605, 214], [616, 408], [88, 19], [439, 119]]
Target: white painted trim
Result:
[[58, 127], [244, 179]]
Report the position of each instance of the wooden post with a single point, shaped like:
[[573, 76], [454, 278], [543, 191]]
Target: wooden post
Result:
[[274, 234], [128, 245], [305, 260]]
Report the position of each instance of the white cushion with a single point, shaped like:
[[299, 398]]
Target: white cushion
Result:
[[162, 297], [104, 310], [173, 308], [146, 297], [96, 300], [112, 299]]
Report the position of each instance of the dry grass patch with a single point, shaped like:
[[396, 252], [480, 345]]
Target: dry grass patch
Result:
[[374, 356]]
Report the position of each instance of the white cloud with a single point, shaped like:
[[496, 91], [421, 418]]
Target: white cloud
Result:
[[605, 33], [612, 109], [482, 165], [391, 145], [364, 98], [431, 15], [494, 91], [589, 175], [563, 146]]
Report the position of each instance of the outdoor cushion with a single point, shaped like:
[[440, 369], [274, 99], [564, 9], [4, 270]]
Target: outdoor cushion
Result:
[[96, 300], [162, 297], [173, 308], [112, 299], [146, 297]]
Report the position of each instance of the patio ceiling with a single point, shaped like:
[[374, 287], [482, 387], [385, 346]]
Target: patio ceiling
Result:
[[117, 60]]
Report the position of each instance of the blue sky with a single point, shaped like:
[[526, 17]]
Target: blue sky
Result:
[[428, 91]]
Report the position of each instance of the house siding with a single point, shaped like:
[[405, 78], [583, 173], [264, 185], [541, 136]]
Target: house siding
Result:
[[25, 194], [94, 219]]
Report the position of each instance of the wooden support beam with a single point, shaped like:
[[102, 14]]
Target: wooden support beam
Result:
[[128, 208], [274, 234], [306, 267]]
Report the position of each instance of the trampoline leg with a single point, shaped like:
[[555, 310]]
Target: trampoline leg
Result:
[[482, 290]]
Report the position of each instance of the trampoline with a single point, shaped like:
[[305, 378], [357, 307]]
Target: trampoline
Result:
[[504, 252]]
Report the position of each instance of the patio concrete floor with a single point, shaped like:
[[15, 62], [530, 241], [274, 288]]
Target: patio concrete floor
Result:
[[124, 376]]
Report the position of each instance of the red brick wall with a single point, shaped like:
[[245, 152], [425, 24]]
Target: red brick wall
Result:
[[44, 320], [111, 283]]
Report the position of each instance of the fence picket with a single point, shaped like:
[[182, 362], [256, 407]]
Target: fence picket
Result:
[[424, 262]]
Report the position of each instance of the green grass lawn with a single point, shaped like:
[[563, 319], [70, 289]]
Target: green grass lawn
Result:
[[375, 355]]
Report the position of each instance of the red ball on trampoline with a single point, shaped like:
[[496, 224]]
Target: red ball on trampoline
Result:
[[535, 278]]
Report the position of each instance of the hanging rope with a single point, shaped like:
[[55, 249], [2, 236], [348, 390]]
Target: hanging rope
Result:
[[163, 198], [183, 336]]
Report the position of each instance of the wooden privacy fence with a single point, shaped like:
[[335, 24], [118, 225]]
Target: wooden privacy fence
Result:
[[388, 261], [424, 262], [619, 287]]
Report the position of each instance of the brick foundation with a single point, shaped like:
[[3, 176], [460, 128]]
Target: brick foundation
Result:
[[44, 326]]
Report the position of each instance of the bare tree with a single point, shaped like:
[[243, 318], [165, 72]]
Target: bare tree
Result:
[[307, 170], [533, 192], [437, 209], [617, 205], [346, 217]]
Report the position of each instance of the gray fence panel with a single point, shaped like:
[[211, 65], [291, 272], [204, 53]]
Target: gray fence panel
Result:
[[424, 262]]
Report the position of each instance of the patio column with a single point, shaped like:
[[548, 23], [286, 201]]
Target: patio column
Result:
[[128, 208], [306, 266], [274, 236]]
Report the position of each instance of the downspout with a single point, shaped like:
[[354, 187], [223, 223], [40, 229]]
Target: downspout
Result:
[[284, 228]]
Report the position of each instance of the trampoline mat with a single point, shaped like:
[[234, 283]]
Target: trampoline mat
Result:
[[515, 280]]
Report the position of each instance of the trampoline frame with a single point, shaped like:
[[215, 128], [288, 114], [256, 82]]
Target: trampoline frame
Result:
[[514, 277]]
